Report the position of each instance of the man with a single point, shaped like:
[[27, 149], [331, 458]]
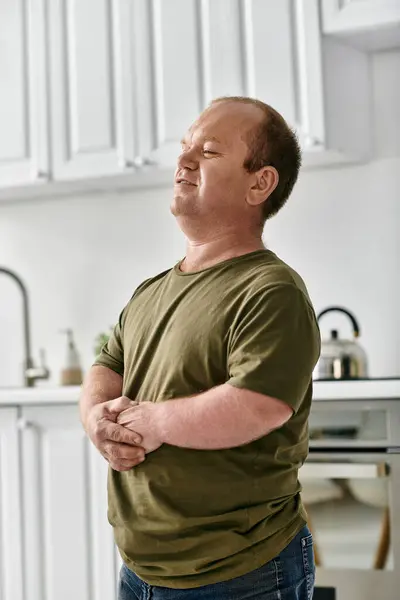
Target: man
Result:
[[200, 400]]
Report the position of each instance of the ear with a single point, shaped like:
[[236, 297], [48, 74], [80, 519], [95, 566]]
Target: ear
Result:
[[264, 182]]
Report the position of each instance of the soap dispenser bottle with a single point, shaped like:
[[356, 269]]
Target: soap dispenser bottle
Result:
[[71, 374]]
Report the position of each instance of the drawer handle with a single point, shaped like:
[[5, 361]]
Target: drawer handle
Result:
[[24, 424], [339, 470]]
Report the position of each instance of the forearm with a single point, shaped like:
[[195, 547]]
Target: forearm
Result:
[[223, 417], [101, 384]]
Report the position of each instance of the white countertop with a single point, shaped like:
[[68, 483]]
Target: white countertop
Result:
[[378, 389], [387, 389], [39, 395]]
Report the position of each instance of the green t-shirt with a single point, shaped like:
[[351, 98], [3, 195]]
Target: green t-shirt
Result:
[[186, 518]]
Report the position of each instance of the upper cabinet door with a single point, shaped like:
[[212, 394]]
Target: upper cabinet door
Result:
[[166, 60], [86, 88], [11, 564], [283, 63], [341, 16], [184, 54], [23, 137], [222, 49], [268, 50], [261, 48]]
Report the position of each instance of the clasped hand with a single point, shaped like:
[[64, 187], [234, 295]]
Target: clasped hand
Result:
[[124, 431], [142, 420]]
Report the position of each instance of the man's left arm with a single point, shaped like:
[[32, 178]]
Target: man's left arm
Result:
[[223, 417], [273, 348]]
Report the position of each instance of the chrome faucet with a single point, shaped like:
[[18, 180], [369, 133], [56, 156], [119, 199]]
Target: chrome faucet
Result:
[[31, 373]]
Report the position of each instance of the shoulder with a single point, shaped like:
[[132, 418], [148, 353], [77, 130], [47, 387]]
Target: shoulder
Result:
[[141, 288], [271, 276], [150, 282], [274, 296]]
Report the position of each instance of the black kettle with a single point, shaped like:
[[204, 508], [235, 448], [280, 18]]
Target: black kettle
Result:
[[340, 358]]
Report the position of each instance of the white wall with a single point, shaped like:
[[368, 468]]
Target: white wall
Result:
[[81, 258]]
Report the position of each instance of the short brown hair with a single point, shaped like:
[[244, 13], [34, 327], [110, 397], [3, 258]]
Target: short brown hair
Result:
[[271, 142]]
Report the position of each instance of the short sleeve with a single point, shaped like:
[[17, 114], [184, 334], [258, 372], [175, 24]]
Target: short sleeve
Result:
[[112, 353], [275, 344]]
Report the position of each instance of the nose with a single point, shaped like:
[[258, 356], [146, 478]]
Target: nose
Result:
[[187, 160]]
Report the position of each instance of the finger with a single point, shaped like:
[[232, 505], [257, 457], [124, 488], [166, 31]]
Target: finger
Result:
[[118, 452], [131, 426], [114, 407], [125, 416], [122, 435], [124, 464]]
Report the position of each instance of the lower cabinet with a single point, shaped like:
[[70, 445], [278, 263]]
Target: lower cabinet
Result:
[[11, 544], [56, 503]]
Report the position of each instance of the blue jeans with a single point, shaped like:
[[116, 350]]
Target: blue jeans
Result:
[[289, 576]]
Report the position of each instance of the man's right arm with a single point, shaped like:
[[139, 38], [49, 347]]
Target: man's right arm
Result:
[[100, 404], [100, 385]]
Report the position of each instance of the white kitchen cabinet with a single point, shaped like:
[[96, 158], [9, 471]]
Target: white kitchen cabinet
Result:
[[270, 50], [228, 47], [69, 548], [372, 24], [320, 86], [85, 83], [345, 15], [165, 62], [11, 541], [122, 80], [284, 63], [23, 127]]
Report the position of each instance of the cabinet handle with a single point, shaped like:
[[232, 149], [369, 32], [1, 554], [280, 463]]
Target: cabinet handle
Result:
[[313, 142], [42, 175], [338, 470], [24, 424], [138, 162], [142, 161], [129, 164]]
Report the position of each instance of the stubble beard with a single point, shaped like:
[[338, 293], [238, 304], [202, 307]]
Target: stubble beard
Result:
[[182, 206]]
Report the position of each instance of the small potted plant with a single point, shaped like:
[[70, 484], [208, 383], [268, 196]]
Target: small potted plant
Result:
[[101, 340]]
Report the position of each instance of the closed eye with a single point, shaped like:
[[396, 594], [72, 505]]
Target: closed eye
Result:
[[205, 151]]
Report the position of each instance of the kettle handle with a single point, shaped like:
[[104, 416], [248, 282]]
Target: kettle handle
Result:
[[356, 328]]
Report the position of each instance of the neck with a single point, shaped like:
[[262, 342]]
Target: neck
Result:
[[201, 254]]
